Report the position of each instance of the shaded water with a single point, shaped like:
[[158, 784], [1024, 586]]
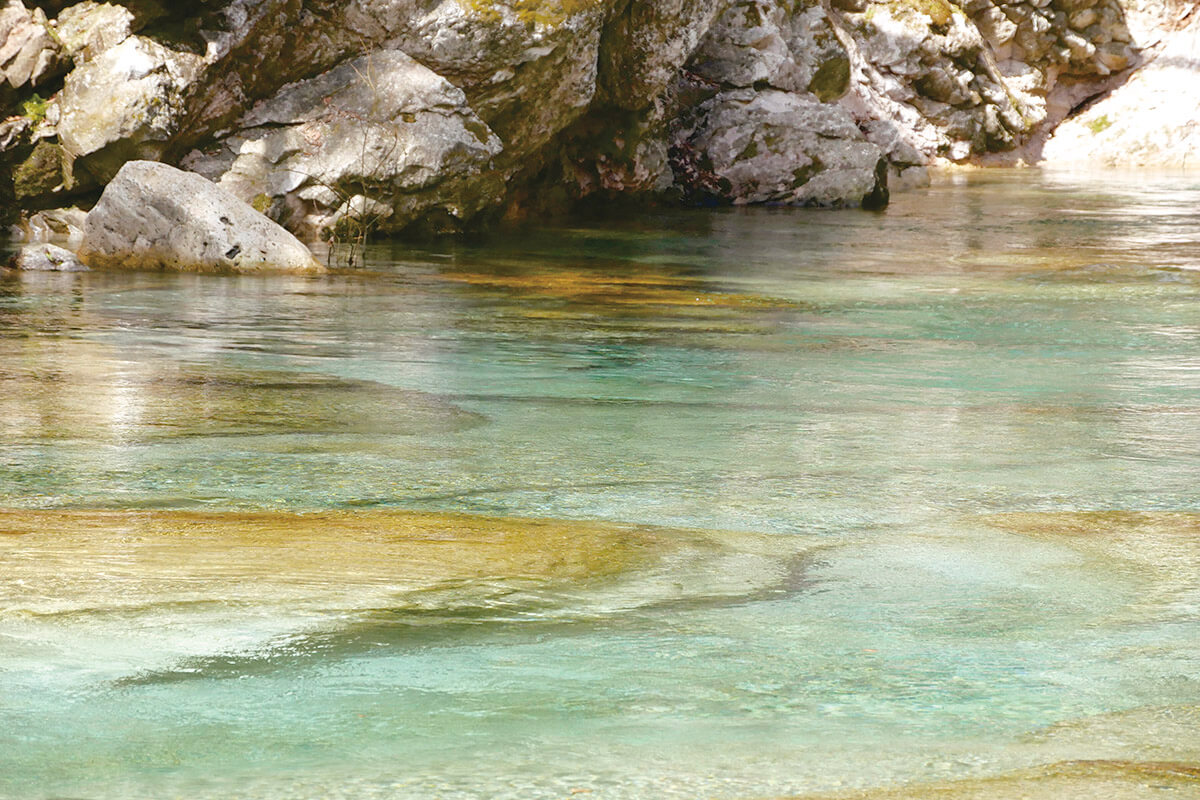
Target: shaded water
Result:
[[712, 504]]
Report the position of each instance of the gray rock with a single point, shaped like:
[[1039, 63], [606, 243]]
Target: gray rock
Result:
[[88, 29], [46, 257], [125, 104], [644, 48], [777, 147], [154, 216], [781, 45], [63, 225], [382, 121], [529, 70], [29, 54]]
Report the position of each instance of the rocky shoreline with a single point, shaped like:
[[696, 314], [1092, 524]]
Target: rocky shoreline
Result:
[[393, 116]]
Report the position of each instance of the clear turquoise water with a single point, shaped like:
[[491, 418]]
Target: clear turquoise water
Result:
[[861, 393]]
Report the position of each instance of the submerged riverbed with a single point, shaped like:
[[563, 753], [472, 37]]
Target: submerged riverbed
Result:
[[729, 504]]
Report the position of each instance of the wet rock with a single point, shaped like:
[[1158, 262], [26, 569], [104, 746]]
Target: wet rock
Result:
[[46, 258], [47, 170], [381, 125], [1116, 780], [153, 216]]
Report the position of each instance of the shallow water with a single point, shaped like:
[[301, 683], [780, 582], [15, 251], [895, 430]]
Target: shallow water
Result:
[[735, 503]]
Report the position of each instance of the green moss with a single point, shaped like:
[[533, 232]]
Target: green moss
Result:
[[831, 80], [1100, 124], [261, 203], [35, 108], [47, 170], [940, 12], [478, 130]]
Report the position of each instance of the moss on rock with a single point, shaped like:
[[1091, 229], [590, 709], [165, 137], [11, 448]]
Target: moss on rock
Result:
[[831, 80], [46, 171]]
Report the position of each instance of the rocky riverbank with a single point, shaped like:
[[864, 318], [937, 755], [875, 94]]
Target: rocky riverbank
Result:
[[402, 115]]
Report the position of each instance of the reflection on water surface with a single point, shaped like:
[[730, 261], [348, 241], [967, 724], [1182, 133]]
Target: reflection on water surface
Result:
[[734, 503]]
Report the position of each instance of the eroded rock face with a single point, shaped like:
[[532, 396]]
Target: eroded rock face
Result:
[[1151, 121], [29, 52], [773, 146], [153, 216], [381, 137], [434, 114], [123, 105]]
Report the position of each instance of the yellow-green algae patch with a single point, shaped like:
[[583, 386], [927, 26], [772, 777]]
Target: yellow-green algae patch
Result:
[[1160, 547], [615, 288], [1095, 780], [65, 562]]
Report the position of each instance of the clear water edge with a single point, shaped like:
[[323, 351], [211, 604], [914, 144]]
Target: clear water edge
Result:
[[872, 396]]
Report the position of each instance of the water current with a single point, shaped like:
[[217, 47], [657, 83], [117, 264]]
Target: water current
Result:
[[733, 503]]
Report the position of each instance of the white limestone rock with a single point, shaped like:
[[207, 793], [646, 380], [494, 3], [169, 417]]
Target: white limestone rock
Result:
[[127, 103], [154, 216], [45, 257], [381, 121], [1151, 121]]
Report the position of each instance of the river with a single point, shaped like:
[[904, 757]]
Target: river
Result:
[[730, 503]]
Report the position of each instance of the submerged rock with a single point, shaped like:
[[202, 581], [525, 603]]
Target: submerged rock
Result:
[[1162, 547], [153, 216], [368, 561]]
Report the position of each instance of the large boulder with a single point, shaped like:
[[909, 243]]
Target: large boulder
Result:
[[125, 104], [528, 69], [154, 216], [778, 147], [435, 113], [379, 142]]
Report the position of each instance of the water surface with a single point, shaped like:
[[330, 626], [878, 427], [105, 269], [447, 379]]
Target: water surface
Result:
[[734, 503]]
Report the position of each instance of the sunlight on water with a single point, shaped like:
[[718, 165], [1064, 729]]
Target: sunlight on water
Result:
[[733, 504]]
